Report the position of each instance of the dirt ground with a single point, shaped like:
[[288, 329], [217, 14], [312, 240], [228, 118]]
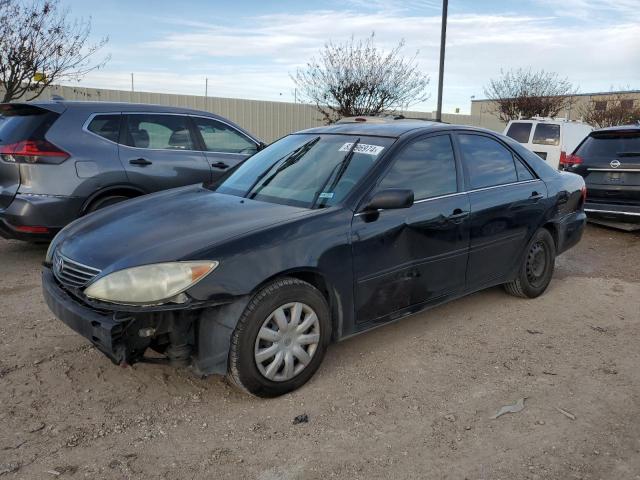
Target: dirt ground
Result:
[[409, 400]]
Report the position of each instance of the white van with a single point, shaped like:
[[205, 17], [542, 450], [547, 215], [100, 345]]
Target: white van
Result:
[[551, 139]]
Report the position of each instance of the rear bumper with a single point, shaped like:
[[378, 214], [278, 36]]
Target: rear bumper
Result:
[[51, 212], [612, 211], [570, 230]]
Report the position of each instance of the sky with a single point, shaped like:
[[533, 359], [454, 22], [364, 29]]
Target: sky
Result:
[[249, 49]]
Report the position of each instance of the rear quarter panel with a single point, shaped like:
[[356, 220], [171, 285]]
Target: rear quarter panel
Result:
[[93, 163]]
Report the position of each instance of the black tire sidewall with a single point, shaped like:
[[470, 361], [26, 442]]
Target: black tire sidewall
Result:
[[528, 289], [247, 370], [106, 202]]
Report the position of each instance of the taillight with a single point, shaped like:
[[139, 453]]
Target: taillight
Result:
[[569, 160], [33, 151]]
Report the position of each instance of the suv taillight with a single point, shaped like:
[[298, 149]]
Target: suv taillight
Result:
[[569, 160], [33, 151]]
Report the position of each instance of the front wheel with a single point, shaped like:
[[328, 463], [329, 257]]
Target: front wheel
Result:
[[280, 339], [537, 267]]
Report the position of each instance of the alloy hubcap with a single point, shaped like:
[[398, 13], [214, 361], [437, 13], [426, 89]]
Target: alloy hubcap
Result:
[[287, 341]]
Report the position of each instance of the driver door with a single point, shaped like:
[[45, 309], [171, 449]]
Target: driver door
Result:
[[411, 256]]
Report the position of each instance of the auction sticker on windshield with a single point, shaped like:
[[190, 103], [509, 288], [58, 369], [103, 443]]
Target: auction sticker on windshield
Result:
[[362, 148]]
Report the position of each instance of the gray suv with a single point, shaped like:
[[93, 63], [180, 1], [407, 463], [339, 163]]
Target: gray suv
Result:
[[60, 160]]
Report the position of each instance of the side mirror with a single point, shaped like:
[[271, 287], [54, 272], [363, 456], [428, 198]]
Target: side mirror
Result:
[[262, 146], [389, 200]]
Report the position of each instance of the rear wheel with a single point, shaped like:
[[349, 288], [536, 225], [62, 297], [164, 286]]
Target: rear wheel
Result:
[[280, 339], [537, 267], [106, 202]]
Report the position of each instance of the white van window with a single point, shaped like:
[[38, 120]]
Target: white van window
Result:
[[547, 134], [520, 131]]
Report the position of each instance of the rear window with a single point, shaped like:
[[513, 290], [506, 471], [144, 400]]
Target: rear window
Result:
[[610, 145], [24, 122], [547, 134], [520, 131]]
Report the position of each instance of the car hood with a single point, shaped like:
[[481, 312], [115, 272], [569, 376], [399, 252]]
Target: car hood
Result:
[[169, 226]]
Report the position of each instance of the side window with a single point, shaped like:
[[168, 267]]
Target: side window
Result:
[[427, 166], [487, 161], [523, 172], [520, 131], [106, 126], [163, 132], [219, 137], [546, 134]]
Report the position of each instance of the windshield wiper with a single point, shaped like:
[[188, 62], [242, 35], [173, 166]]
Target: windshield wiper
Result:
[[628, 154], [342, 166], [281, 164]]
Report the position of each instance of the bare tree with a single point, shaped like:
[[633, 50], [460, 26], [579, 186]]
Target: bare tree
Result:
[[39, 45], [357, 78], [616, 108], [524, 94]]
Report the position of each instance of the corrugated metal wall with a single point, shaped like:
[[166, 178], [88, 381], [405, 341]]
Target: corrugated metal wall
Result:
[[267, 120]]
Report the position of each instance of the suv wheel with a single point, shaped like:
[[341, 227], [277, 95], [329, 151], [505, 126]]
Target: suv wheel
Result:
[[537, 267], [106, 202], [280, 339]]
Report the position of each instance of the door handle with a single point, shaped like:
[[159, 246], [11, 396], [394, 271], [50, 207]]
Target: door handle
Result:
[[143, 162], [458, 215], [220, 165], [535, 195]]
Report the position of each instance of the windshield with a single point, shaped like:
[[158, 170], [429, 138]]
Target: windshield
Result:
[[305, 170]]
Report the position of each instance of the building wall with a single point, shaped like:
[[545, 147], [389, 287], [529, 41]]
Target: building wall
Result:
[[267, 120], [480, 108]]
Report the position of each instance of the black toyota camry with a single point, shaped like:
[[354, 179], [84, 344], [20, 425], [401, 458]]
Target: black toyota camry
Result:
[[324, 234]]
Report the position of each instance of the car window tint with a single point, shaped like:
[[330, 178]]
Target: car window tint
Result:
[[520, 131], [523, 172], [427, 166], [609, 145], [165, 132], [488, 162], [546, 134], [219, 137], [106, 126]]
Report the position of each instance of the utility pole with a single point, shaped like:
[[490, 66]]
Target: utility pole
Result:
[[443, 40], [132, 83], [206, 86]]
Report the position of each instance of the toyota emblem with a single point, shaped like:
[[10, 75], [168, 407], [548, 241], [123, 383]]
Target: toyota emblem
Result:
[[615, 163], [59, 264]]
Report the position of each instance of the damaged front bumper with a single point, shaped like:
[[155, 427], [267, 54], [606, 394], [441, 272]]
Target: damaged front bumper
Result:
[[198, 338]]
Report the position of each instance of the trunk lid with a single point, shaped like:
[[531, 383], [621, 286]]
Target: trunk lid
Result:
[[611, 165]]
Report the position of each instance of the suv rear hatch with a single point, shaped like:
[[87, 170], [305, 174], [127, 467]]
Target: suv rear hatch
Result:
[[22, 127], [609, 161]]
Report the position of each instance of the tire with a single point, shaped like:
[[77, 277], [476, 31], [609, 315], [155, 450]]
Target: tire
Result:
[[295, 299], [106, 202], [537, 267]]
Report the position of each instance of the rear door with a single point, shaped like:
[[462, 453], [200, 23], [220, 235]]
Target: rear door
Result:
[[18, 123], [224, 146], [506, 207], [611, 166], [545, 142], [160, 151]]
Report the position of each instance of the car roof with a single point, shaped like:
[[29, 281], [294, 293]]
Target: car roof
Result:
[[97, 106], [619, 128], [393, 129]]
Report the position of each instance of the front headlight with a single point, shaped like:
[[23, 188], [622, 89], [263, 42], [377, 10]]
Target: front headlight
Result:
[[149, 284]]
